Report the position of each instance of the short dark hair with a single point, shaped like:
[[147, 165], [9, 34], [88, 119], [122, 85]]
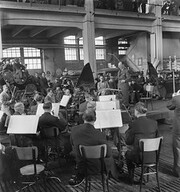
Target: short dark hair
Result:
[[47, 105], [89, 115]]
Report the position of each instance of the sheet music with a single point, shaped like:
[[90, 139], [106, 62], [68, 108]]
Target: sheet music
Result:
[[108, 105], [23, 124], [107, 98], [1, 114], [54, 111], [108, 119], [64, 101]]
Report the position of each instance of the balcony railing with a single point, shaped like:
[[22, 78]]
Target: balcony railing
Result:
[[79, 3], [169, 7]]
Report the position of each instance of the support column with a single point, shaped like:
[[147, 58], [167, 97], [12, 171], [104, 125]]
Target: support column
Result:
[[156, 38], [89, 37]]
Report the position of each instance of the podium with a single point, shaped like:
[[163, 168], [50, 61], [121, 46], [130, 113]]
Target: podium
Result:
[[23, 124]]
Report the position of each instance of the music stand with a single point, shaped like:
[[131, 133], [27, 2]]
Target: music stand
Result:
[[54, 111], [107, 98], [108, 119], [64, 101], [108, 105], [23, 124]]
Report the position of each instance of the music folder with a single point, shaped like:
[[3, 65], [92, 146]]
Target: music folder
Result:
[[54, 111], [23, 124]]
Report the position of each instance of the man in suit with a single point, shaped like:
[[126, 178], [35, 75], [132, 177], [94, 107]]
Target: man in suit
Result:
[[174, 104], [140, 128], [123, 82], [47, 120], [86, 134]]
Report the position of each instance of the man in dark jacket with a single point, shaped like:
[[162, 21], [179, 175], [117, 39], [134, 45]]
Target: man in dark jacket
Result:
[[86, 134], [47, 120], [141, 128]]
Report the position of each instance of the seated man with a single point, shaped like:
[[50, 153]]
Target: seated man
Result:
[[140, 128], [47, 120], [21, 140], [86, 134]]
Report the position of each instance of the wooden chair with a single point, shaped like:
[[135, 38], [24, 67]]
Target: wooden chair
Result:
[[95, 152], [31, 169], [149, 167]]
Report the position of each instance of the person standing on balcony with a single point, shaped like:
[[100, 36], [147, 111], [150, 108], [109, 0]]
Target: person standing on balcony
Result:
[[143, 5]]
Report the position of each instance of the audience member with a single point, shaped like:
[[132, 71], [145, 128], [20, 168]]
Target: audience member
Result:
[[140, 128], [86, 134]]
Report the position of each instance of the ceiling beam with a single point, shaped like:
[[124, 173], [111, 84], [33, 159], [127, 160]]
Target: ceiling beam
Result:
[[17, 30], [115, 34], [37, 30], [54, 31]]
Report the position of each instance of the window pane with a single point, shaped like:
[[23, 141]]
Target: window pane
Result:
[[33, 63], [81, 52], [99, 40], [13, 52], [122, 52], [70, 54], [70, 40], [31, 52], [100, 54], [81, 41]]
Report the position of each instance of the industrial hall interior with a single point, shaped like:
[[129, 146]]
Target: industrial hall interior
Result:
[[89, 95]]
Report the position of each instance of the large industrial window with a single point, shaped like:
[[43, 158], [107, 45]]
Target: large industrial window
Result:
[[32, 57], [70, 49], [28, 55], [74, 48], [12, 52]]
